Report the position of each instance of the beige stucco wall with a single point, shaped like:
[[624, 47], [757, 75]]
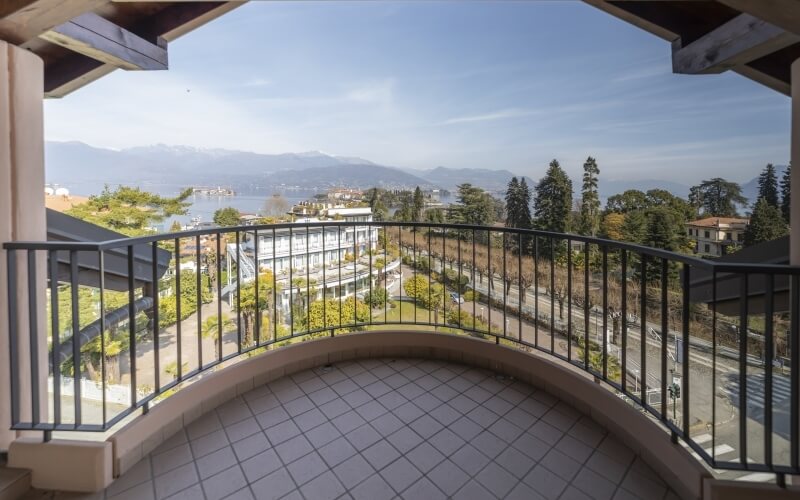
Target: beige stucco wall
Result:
[[22, 212]]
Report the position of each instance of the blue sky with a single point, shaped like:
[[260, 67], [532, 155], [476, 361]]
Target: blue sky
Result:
[[421, 84]]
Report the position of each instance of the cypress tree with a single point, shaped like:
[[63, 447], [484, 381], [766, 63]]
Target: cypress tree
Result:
[[553, 201], [768, 185], [786, 192], [512, 208], [766, 224], [590, 199], [418, 205]]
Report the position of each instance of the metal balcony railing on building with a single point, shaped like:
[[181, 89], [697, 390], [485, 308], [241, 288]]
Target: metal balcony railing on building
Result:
[[707, 348]]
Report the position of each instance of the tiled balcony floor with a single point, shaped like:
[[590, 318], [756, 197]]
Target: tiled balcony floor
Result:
[[383, 429]]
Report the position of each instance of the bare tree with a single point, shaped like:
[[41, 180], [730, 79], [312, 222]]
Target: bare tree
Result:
[[276, 205]]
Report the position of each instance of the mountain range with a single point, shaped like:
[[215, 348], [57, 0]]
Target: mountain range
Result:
[[85, 169]]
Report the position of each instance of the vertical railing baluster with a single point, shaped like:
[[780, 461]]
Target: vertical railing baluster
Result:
[[643, 329], [519, 285], [218, 275], [308, 277], [552, 295], [491, 280], [472, 282], [325, 284], [743, 368], [768, 357], [55, 350], [178, 332], [339, 254], [535, 291], [13, 333], [156, 326], [76, 345], [430, 275], [385, 274], [355, 275], [400, 250], [624, 321], [444, 278], [257, 266], [586, 309], [102, 266], [33, 324], [291, 283], [371, 291], [505, 280], [685, 348], [274, 289], [132, 325], [713, 363], [458, 283], [414, 266], [664, 336], [605, 312], [569, 299], [794, 346], [198, 301]]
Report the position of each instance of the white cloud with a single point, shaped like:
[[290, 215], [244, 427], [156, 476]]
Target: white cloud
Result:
[[504, 114]]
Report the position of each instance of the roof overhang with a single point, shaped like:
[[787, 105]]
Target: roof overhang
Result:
[[758, 39], [83, 40]]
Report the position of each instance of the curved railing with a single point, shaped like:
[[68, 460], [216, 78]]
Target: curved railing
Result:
[[663, 329]]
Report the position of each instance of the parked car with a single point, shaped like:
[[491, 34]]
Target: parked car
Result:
[[457, 299]]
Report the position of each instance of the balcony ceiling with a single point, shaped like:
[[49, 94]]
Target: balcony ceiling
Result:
[[758, 39], [83, 40]]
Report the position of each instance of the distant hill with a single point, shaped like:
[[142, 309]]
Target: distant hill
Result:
[[449, 178], [359, 176]]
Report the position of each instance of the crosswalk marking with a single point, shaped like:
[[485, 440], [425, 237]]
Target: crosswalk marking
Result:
[[702, 438], [781, 390], [719, 450]]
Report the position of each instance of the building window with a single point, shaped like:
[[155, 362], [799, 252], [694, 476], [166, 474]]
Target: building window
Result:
[[707, 235], [728, 236], [740, 237], [707, 248]]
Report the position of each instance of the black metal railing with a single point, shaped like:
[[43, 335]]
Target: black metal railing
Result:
[[707, 348]]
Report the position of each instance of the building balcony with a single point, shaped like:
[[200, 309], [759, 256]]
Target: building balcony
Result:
[[505, 364]]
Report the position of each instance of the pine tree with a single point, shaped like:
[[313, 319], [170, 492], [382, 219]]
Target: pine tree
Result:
[[524, 219], [786, 192], [768, 186], [553, 201], [418, 205], [766, 224], [717, 197], [512, 197], [590, 200]]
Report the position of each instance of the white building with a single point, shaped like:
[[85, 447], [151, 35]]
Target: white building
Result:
[[298, 253]]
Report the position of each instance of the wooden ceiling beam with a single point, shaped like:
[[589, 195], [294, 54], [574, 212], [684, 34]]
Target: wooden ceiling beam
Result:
[[100, 39], [737, 42], [23, 20], [782, 13]]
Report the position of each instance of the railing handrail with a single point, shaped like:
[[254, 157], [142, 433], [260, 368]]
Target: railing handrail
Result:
[[707, 264]]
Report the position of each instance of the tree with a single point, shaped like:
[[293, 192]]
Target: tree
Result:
[[786, 192], [768, 186], [249, 308], [226, 217], [474, 206], [333, 313], [717, 197], [766, 224], [175, 227], [418, 205], [518, 204], [612, 226], [275, 206], [129, 210], [590, 199], [211, 328], [628, 201], [553, 201]]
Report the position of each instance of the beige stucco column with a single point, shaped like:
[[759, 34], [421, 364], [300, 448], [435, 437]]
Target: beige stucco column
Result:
[[22, 212], [794, 238]]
